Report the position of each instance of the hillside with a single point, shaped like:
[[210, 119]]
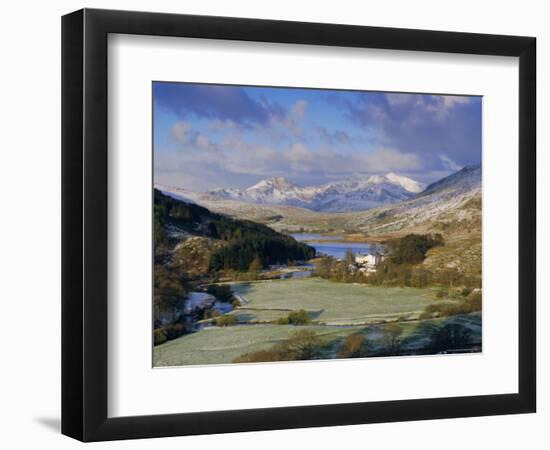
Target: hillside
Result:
[[224, 242], [439, 203], [452, 206]]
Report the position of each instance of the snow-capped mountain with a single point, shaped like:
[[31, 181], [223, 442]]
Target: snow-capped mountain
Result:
[[357, 193], [275, 190], [451, 204]]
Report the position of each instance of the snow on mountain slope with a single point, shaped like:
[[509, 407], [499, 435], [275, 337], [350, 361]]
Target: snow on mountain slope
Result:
[[177, 193], [354, 194], [454, 201], [450, 205], [464, 180], [406, 183]]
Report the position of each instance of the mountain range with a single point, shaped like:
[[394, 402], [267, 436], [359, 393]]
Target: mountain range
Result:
[[353, 194], [451, 206]]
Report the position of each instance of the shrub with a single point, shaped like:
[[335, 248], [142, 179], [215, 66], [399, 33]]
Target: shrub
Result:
[[354, 346], [260, 356], [302, 345], [400, 274], [299, 317], [449, 277], [168, 292], [174, 330], [210, 313], [159, 336], [392, 332], [236, 303], [226, 321], [420, 277], [168, 332], [466, 306], [475, 301], [412, 249]]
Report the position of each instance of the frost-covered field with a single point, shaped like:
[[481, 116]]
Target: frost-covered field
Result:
[[222, 345], [331, 303], [337, 310]]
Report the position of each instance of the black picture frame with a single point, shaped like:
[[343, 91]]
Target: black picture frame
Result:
[[84, 224]]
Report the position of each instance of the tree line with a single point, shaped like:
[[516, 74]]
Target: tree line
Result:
[[247, 241], [401, 267]]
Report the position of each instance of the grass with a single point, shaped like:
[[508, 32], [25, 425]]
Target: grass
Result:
[[223, 345], [336, 309], [331, 303]]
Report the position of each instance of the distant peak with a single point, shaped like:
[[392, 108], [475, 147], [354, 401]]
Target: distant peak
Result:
[[406, 183], [274, 182], [376, 179]]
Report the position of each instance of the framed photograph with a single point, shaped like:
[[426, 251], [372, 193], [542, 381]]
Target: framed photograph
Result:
[[273, 224]]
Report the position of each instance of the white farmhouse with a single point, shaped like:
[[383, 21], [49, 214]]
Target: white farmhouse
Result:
[[368, 263], [363, 259]]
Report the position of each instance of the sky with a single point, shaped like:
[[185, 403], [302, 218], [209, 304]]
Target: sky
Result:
[[213, 136]]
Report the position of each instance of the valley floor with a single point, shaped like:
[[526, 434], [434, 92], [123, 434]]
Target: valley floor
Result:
[[337, 310]]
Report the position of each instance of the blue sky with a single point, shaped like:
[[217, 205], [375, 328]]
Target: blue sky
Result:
[[209, 136]]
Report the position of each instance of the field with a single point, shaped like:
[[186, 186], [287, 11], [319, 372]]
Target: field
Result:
[[330, 303], [337, 310], [222, 345]]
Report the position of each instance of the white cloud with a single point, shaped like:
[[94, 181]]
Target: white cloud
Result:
[[449, 164], [388, 160], [445, 103], [203, 141], [205, 161], [451, 100], [180, 131], [203, 164]]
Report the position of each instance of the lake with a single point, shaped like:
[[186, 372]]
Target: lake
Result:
[[333, 245]]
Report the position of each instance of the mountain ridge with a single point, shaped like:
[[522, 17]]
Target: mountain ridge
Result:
[[465, 178], [353, 194]]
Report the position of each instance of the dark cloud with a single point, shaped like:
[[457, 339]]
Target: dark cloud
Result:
[[427, 125], [214, 102], [248, 135]]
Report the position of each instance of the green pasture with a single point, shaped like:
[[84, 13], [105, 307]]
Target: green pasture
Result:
[[330, 303], [222, 345]]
